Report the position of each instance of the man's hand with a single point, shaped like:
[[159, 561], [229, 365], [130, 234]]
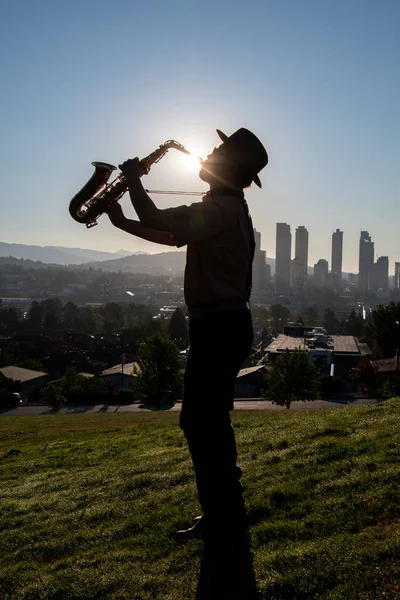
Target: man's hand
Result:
[[132, 169], [116, 215]]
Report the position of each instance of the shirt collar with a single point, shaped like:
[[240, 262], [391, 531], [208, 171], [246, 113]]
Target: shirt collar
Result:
[[223, 191]]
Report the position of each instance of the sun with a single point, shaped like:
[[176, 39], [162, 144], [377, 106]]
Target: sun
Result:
[[192, 162]]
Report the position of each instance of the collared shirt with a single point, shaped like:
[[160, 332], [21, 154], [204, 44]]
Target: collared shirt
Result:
[[216, 232]]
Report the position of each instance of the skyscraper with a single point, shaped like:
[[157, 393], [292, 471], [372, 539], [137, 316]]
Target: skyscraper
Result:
[[300, 262], [261, 271], [301, 245], [321, 272], [380, 274], [282, 257], [397, 275], [366, 260], [256, 282], [337, 254]]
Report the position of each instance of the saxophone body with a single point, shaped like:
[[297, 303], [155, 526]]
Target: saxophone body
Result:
[[97, 195]]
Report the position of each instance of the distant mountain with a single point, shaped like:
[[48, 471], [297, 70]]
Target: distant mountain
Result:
[[58, 254], [155, 264], [152, 263], [122, 260]]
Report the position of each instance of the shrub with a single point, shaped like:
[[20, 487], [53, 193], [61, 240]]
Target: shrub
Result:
[[53, 396], [331, 386]]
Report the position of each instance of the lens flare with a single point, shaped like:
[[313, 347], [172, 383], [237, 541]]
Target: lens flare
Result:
[[193, 161]]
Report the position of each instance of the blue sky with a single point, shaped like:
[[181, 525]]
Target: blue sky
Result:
[[317, 81]]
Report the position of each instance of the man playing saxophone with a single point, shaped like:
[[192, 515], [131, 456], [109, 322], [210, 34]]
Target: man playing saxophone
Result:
[[219, 236]]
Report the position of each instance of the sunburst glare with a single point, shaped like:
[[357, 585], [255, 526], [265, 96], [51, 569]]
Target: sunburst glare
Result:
[[193, 161]]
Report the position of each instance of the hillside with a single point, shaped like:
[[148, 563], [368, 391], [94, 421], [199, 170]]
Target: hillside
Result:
[[122, 260], [57, 254], [145, 263], [90, 504]]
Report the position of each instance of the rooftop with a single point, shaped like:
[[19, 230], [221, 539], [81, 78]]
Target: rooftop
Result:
[[128, 368], [385, 364], [20, 374], [336, 343], [249, 370]]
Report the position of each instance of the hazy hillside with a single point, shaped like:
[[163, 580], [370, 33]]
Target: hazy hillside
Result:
[[152, 263], [145, 263], [122, 260], [58, 254]]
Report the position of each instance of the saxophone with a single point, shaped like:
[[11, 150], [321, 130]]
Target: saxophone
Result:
[[97, 196]]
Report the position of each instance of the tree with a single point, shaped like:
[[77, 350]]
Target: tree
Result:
[[330, 322], [30, 363], [35, 313], [177, 329], [311, 315], [113, 315], [383, 329], [9, 317], [292, 379], [367, 376], [308, 316], [52, 313], [354, 324], [279, 316], [71, 316], [158, 372]]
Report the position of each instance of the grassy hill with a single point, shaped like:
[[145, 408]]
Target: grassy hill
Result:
[[89, 505]]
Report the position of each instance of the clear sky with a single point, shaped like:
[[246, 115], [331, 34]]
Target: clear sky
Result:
[[317, 81]]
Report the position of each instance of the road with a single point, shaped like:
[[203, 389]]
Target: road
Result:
[[250, 404]]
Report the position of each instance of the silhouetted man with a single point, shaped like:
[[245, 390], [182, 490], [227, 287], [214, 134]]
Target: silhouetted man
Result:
[[219, 236]]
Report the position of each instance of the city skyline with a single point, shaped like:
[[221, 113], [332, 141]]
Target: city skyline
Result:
[[292, 274], [295, 254], [303, 237]]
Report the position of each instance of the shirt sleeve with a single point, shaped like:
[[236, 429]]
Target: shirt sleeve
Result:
[[194, 223]]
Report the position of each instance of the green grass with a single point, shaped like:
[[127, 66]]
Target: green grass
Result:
[[89, 505]]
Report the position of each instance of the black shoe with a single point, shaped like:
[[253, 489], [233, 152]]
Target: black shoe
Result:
[[195, 530], [229, 531]]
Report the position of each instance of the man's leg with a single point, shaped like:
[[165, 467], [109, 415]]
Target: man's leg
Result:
[[218, 348]]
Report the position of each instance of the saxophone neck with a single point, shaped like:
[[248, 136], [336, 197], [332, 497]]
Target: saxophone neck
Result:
[[160, 152]]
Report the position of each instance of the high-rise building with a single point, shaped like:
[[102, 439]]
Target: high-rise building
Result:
[[366, 260], [297, 280], [380, 275], [353, 278], [261, 271], [300, 263], [321, 272], [282, 257], [397, 275], [301, 244], [337, 255]]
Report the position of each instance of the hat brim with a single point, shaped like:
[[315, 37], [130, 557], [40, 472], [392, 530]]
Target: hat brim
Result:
[[257, 181], [225, 139]]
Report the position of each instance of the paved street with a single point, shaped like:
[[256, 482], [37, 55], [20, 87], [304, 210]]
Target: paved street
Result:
[[251, 404]]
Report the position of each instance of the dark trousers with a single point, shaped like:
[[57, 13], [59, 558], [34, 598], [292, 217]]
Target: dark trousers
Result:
[[219, 344]]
